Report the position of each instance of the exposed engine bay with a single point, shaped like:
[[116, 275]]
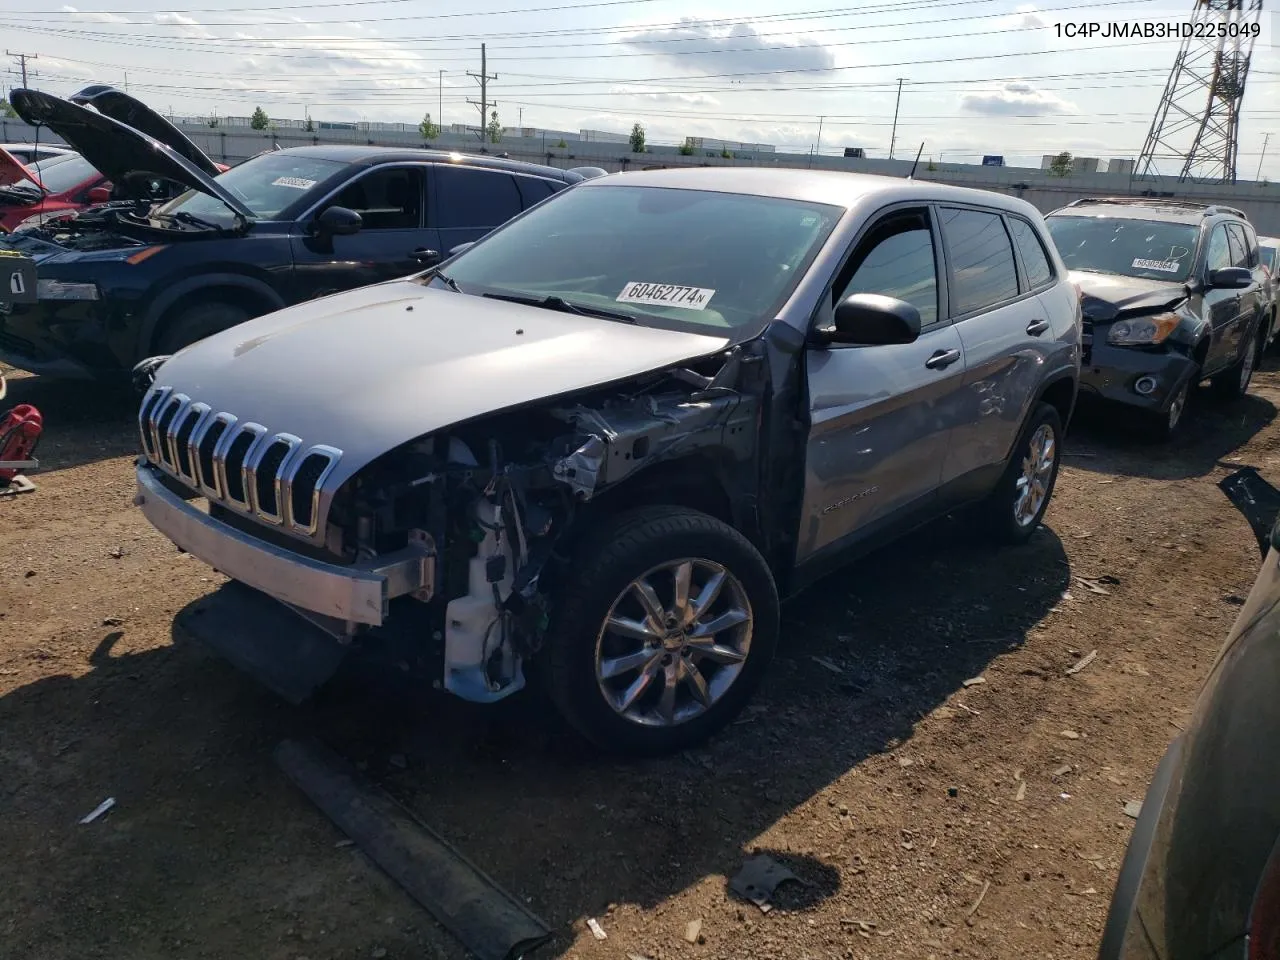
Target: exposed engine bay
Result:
[[496, 501]]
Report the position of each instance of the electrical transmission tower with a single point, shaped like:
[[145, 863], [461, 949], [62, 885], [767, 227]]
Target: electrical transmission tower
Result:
[[1196, 130]]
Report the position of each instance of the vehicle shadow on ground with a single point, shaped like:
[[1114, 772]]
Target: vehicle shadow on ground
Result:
[[864, 655], [84, 422], [204, 819], [1108, 441]]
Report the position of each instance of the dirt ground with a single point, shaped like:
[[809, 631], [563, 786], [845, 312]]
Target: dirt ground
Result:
[[936, 755]]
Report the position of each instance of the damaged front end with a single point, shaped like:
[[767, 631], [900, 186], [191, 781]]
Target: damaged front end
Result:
[[499, 498], [455, 542]]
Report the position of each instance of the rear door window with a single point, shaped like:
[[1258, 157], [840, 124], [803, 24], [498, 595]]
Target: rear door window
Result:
[[1034, 260], [475, 197], [982, 263], [534, 189]]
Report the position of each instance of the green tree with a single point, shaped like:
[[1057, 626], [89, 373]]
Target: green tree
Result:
[[309, 126], [259, 120], [428, 127], [726, 154], [637, 138], [7, 111], [494, 128], [1061, 165], [932, 165], [686, 148], [561, 145], [213, 122]]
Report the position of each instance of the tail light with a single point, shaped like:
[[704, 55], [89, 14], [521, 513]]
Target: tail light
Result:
[[1264, 916]]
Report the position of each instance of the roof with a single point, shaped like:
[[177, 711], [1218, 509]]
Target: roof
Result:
[[355, 153], [1147, 208], [814, 186]]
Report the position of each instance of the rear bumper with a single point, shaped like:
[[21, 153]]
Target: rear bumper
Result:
[[355, 594]]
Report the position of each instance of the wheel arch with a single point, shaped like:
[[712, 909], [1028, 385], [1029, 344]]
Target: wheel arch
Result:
[[250, 293]]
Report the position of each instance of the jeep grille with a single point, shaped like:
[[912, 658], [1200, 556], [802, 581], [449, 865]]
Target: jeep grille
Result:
[[243, 466]]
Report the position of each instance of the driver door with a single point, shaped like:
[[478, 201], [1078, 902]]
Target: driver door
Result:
[[881, 417], [392, 241]]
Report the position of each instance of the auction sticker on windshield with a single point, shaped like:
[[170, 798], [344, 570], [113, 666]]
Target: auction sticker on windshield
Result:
[[666, 295], [298, 183], [1164, 266]]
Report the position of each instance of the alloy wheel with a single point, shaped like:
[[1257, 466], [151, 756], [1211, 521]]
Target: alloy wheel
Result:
[[673, 642], [1032, 487]]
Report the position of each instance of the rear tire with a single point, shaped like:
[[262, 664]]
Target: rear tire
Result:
[[197, 322], [670, 680], [1018, 503], [1233, 383]]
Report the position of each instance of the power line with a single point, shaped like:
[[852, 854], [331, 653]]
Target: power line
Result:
[[361, 3]]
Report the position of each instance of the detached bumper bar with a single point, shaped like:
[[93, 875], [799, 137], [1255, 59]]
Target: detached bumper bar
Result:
[[356, 594]]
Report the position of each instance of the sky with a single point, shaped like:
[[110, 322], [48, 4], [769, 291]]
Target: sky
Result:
[[978, 76]]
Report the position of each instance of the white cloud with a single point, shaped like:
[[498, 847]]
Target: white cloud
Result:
[[190, 27], [1026, 17], [667, 97], [1016, 99], [94, 16], [700, 47]]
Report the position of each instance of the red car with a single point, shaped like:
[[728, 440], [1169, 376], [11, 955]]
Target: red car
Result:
[[48, 188]]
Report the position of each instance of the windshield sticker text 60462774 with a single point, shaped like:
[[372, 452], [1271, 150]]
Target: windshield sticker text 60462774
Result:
[[298, 183], [666, 295]]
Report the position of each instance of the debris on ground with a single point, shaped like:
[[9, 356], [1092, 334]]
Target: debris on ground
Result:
[[974, 681], [1083, 662], [1069, 735], [968, 917], [823, 661], [597, 931], [1022, 792], [759, 877], [99, 810], [693, 930], [1096, 586], [1062, 770], [1133, 809]]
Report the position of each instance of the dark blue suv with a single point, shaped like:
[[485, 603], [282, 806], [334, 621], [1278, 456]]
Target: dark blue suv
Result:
[[137, 277]]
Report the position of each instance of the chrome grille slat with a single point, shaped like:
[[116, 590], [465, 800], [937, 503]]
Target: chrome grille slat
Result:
[[221, 449]]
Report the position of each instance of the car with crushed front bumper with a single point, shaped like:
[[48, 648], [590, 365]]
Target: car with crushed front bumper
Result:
[[611, 434], [1173, 294]]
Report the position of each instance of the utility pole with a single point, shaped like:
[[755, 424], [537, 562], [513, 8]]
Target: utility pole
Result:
[[483, 77], [893, 137], [1265, 139], [440, 100], [22, 59], [818, 148]]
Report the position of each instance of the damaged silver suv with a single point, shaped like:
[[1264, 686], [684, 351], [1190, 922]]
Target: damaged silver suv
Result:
[[604, 440]]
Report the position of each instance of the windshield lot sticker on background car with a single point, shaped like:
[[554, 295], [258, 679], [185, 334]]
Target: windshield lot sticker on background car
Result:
[[298, 183], [1164, 266], [666, 295]]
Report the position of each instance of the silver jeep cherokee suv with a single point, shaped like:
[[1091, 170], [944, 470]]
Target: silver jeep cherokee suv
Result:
[[607, 437]]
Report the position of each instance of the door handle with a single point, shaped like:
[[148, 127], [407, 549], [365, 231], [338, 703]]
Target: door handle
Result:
[[1037, 327], [942, 358], [425, 255]]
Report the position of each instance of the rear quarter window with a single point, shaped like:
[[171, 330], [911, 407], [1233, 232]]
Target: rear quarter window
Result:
[[1034, 258]]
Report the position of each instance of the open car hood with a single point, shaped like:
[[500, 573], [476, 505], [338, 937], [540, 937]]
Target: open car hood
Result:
[[12, 171], [116, 149], [118, 105]]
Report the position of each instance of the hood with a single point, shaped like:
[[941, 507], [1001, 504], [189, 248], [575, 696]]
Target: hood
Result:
[[123, 108], [1104, 296], [371, 369], [13, 170], [114, 148]]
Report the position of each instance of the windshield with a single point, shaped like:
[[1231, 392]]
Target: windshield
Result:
[[1268, 255], [58, 174], [265, 184], [1130, 248], [684, 259]]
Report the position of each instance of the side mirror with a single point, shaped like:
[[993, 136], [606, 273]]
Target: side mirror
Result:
[[454, 251], [1230, 278], [337, 222], [872, 319], [99, 195]]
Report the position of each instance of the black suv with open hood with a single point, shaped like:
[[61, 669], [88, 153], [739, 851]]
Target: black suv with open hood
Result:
[[1172, 293], [129, 280]]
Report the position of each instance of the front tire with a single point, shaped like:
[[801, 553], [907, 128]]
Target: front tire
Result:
[[661, 632], [1018, 504], [197, 322]]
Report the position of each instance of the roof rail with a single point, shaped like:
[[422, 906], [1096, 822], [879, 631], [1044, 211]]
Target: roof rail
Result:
[[1223, 208], [1208, 209]]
